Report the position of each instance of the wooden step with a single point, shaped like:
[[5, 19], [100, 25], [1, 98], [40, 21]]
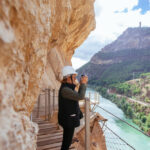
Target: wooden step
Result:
[[48, 128], [49, 136], [48, 132], [56, 148], [41, 122], [38, 120], [50, 146], [50, 141], [46, 125]]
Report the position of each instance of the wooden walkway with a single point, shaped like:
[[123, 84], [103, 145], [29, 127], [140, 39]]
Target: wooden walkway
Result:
[[49, 136]]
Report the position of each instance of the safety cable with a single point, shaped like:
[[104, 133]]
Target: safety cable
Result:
[[120, 139], [122, 120], [114, 141]]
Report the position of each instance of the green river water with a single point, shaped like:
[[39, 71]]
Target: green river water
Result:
[[136, 139]]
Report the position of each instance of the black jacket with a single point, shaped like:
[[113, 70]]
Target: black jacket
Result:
[[69, 113]]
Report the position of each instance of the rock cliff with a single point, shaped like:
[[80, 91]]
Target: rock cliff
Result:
[[132, 38], [37, 38]]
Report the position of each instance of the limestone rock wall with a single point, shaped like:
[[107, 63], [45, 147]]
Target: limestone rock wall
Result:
[[37, 38]]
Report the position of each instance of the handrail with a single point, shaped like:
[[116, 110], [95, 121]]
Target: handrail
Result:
[[87, 124], [48, 103]]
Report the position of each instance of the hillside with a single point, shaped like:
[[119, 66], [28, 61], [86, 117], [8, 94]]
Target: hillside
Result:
[[118, 61], [133, 97], [138, 89]]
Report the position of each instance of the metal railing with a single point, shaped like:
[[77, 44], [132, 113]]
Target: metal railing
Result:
[[46, 104], [87, 124], [112, 140], [122, 120]]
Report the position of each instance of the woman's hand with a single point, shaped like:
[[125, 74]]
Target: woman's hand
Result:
[[84, 80]]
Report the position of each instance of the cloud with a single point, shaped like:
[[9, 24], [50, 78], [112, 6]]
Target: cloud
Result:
[[88, 48], [77, 62], [112, 18], [115, 16]]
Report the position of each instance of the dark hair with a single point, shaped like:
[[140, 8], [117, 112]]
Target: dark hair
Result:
[[64, 80]]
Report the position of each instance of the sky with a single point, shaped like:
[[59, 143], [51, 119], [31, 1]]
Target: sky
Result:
[[113, 17]]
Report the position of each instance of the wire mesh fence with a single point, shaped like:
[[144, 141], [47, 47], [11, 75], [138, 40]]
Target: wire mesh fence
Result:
[[114, 141]]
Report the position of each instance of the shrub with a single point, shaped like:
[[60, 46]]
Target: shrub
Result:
[[130, 112], [143, 119], [148, 121]]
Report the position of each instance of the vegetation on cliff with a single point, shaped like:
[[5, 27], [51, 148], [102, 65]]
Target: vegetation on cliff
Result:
[[125, 64], [139, 114], [137, 89]]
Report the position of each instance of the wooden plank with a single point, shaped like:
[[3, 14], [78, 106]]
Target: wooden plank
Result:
[[56, 148], [41, 122], [47, 124], [48, 128], [50, 138], [49, 146], [49, 141], [37, 120], [50, 135], [48, 132]]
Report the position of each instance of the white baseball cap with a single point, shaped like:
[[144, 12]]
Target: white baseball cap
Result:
[[68, 70]]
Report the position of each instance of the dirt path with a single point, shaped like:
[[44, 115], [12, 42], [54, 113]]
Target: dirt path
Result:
[[130, 99], [137, 101]]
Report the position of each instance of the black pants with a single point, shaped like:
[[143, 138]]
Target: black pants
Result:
[[67, 138]]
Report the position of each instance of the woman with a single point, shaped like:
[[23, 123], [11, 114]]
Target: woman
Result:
[[69, 113]]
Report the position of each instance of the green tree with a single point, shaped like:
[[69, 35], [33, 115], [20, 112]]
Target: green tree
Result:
[[130, 112], [143, 119], [148, 121]]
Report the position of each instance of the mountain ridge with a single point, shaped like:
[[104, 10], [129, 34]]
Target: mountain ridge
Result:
[[117, 61], [131, 38]]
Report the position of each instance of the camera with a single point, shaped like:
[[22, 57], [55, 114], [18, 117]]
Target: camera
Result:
[[83, 75], [83, 79]]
